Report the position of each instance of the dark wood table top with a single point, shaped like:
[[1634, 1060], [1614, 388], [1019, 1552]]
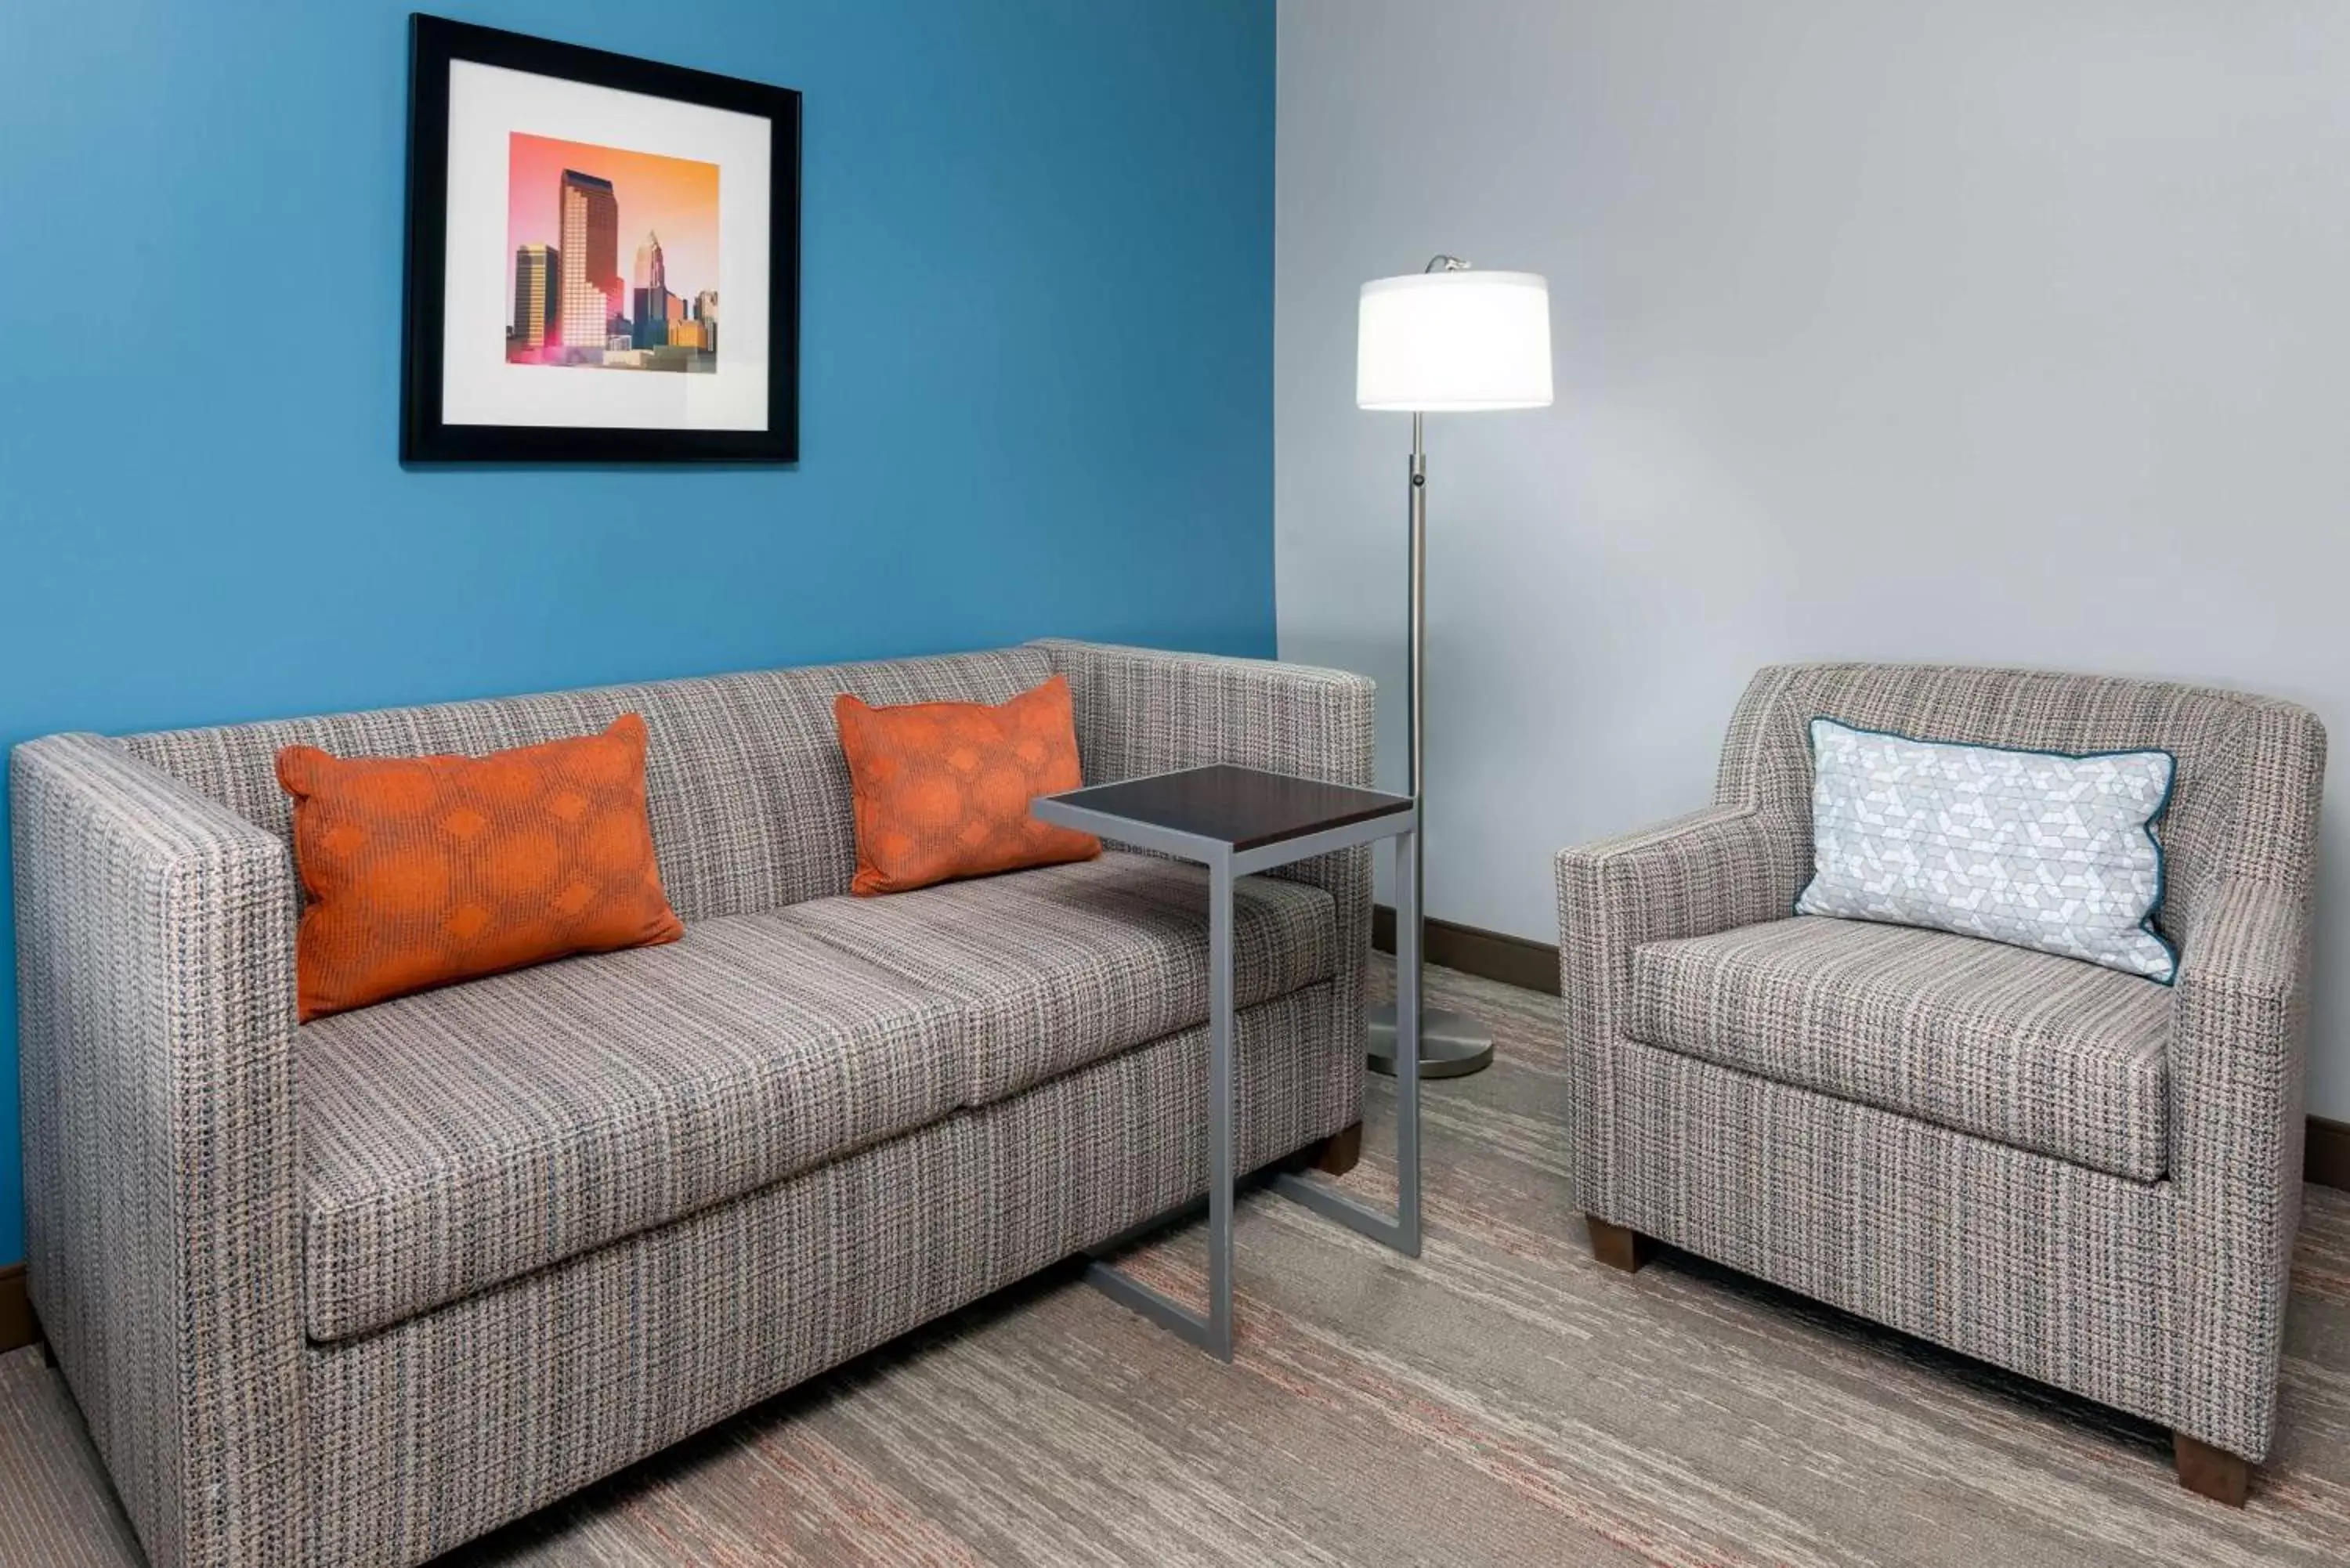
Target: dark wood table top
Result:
[[1245, 807]]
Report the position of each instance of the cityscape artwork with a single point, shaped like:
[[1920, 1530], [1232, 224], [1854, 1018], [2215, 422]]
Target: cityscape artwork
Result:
[[613, 258], [574, 217]]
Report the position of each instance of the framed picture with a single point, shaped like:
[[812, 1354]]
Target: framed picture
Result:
[[603, 257]]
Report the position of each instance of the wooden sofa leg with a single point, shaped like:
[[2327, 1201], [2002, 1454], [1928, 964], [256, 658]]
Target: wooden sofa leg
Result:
[[2212, 1472], [1333, 1156], [1618, 1246]]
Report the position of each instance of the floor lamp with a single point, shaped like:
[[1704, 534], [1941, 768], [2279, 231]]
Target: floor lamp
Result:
[[1447, 340]]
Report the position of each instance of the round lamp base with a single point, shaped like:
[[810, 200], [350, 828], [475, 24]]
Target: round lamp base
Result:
[[1451, 1044]]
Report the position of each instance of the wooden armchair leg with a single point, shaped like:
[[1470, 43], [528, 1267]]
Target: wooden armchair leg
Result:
[[1618, 1246], [1333, 1156], [2212, 1472]]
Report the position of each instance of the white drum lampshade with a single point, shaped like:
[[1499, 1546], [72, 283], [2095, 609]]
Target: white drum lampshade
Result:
[[1454, 342]]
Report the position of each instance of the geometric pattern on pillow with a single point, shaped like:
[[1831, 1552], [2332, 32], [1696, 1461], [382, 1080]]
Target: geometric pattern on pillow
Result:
[[2048, 850]]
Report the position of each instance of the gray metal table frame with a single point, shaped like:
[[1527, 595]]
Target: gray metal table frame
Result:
[[1213, 1332]]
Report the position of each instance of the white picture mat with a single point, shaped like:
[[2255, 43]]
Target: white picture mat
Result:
[[486, 105]]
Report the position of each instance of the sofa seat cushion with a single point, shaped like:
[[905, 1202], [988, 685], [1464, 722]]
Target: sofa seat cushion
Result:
[[1063, 965], [459, 1137], [2023, 1048]]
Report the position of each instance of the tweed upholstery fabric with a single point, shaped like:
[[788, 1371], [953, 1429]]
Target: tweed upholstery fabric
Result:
[[2025, 1048], [156, 902], [1558, 1410], [155, 967], [1142, 711], [1709, 871], [465, 1136], [2164, 1298], [455, 1421], [2033, 1263], [1053, 968], [2239, 1063], [749, 793]]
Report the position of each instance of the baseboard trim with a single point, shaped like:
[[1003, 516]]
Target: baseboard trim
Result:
[[1489, 955], [18, 1327], [1534, 966], [2325, 1159]]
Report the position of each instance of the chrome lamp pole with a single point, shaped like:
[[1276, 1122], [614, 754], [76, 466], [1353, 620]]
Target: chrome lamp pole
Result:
[[1446, 338]]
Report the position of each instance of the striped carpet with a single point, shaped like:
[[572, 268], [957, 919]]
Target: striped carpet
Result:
[[1502, 1400]]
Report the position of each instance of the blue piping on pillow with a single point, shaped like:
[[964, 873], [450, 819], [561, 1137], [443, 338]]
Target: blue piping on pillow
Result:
[[2162, 860]]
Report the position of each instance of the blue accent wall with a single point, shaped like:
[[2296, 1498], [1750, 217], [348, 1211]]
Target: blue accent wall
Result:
[[1036, 368]]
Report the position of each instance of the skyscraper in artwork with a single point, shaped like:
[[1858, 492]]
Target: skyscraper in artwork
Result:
[[590, 287], [538, 289], [651, 312]]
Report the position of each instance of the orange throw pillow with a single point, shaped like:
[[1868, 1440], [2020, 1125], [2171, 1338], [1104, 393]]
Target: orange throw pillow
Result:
[[942, 788], [424, 870]]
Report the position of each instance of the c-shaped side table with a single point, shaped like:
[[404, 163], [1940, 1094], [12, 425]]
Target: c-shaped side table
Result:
[[1234, 821]]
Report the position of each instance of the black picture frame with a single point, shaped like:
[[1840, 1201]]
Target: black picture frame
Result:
[[434, 42]]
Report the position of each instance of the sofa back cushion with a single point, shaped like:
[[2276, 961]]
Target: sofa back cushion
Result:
[[2243, 803], [749, 795]]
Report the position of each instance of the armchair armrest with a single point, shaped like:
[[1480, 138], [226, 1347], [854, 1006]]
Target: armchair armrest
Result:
[[155, 953], [2239, 1047], [1712, 871]]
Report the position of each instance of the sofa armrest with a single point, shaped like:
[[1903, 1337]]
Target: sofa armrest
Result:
[[1712, 871], [2239, 1052], [1141, 710], [155, 954]]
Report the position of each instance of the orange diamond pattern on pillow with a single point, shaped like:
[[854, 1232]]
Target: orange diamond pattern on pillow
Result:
[[424, 870], [942, 789]]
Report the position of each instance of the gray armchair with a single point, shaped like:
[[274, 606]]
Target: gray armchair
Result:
[[2074, 1173]]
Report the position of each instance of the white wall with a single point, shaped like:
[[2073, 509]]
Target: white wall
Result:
[[2011, 331]]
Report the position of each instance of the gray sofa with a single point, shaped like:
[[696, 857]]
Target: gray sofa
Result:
[[357, 1292], [2074, 1173]]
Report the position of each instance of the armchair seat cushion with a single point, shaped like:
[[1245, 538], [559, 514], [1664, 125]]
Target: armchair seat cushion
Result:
[[2023, 1048]]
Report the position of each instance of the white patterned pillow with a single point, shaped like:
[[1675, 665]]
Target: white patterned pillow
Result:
[[2043, 849]]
